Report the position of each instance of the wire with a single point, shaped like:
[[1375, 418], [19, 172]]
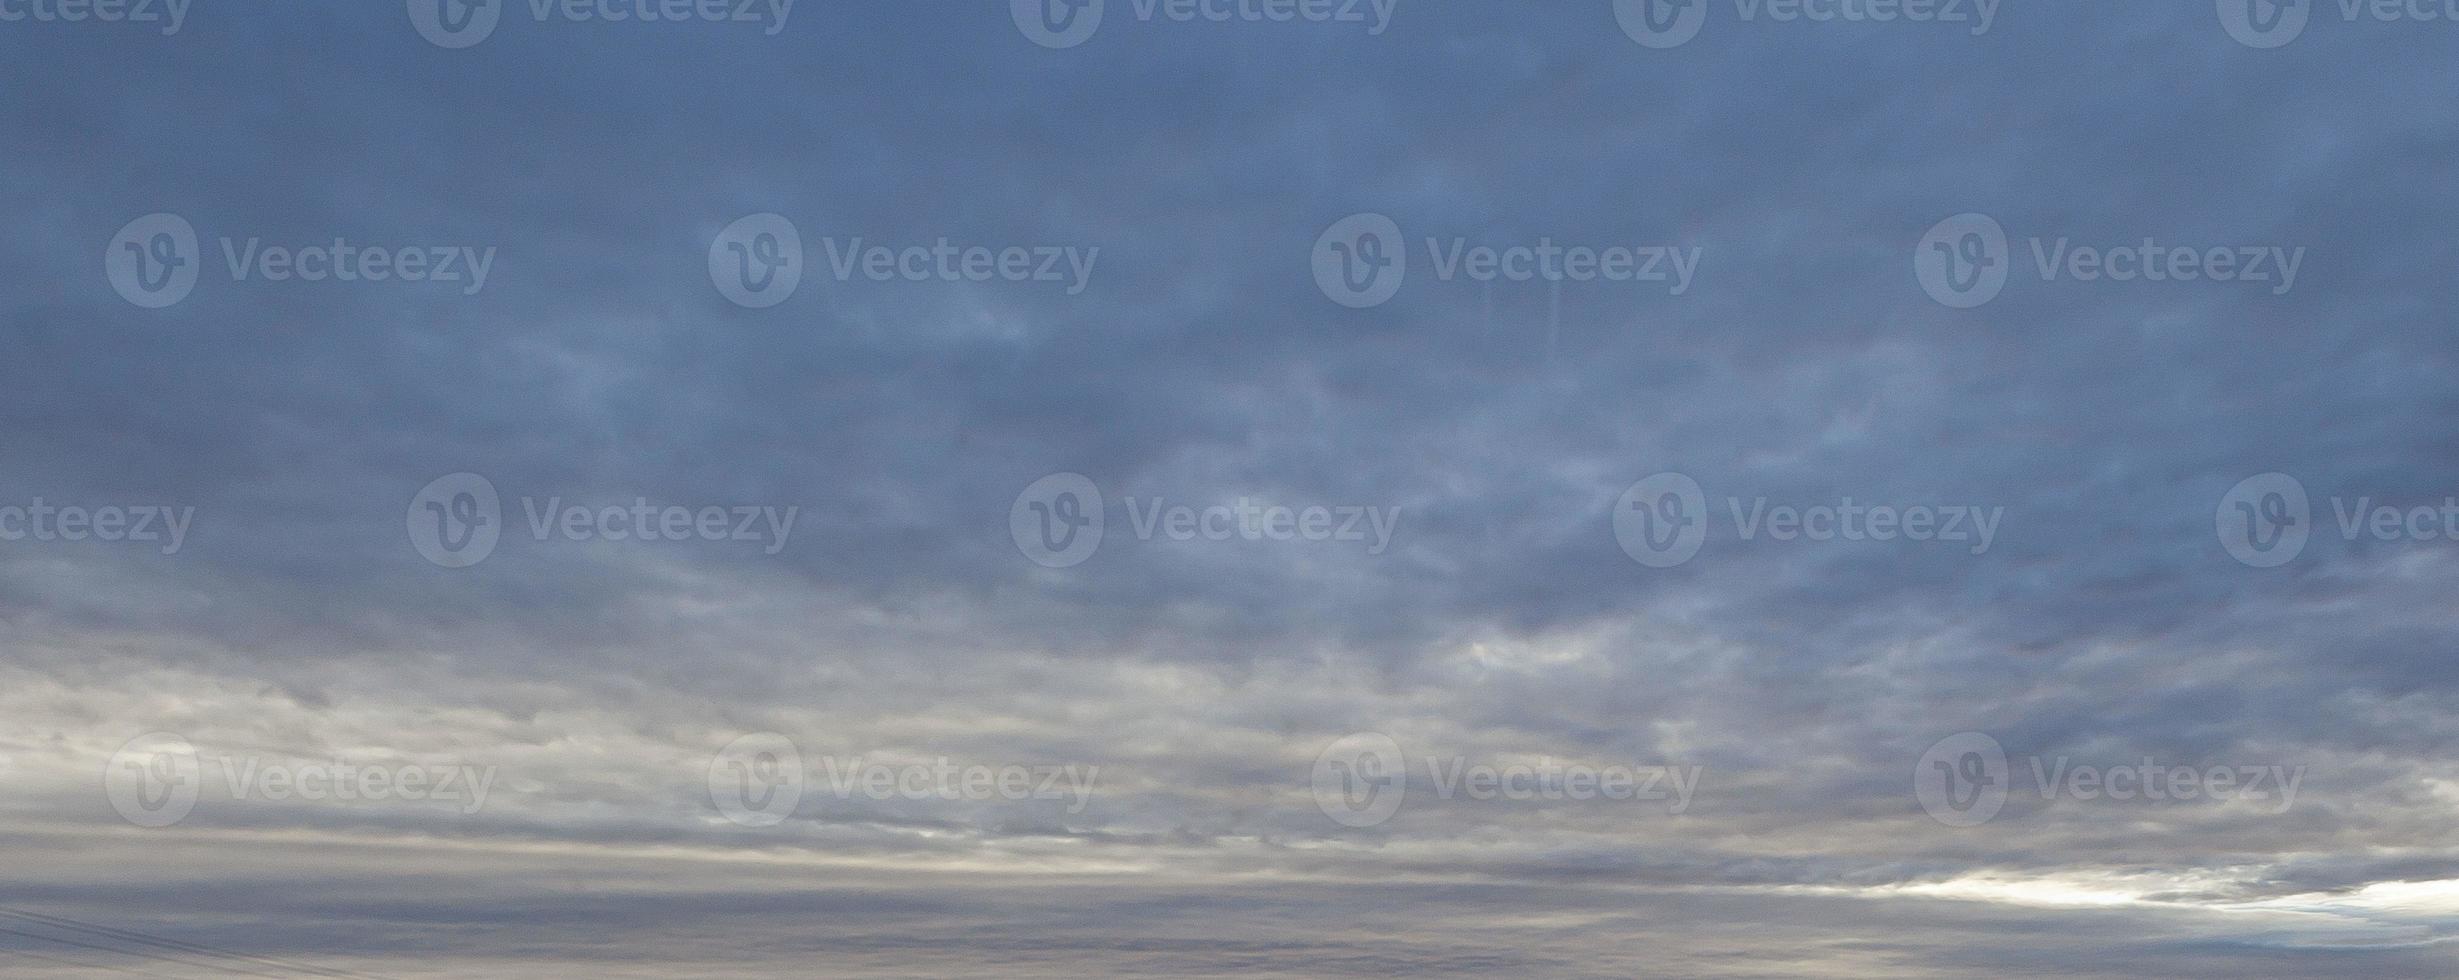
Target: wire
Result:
[[137, 953], [84, 966], [177, 945]]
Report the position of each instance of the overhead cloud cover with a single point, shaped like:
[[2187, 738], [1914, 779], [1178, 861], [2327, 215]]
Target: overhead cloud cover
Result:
[[1292, 488]]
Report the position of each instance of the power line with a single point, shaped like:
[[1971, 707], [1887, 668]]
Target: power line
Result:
[[179, 945], [84, 966], [141, 954]]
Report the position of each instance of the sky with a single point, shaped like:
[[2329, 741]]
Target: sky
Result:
[[1297, 488]]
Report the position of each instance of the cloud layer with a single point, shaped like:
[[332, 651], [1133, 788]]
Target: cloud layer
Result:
[[1477, 433]]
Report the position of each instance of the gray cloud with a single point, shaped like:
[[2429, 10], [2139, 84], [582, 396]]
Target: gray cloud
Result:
[[2105, 624]]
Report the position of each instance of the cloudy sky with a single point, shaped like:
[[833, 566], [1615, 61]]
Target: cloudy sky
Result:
[[1581, 489]]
